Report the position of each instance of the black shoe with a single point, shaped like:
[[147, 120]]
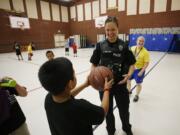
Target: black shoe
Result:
[[130, 92], [129, 133], [136, 98]]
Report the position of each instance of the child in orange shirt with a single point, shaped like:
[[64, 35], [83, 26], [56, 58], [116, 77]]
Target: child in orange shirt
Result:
[[74, 46]]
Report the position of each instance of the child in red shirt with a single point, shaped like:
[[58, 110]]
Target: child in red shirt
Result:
[[74, 46]]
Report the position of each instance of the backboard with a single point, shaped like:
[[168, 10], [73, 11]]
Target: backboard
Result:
[[19, 22]]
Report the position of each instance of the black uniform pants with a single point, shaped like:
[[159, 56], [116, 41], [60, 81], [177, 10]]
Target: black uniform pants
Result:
[[121, 95]]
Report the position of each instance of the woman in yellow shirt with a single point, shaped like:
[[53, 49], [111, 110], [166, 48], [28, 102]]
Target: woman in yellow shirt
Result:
[[142, 61]]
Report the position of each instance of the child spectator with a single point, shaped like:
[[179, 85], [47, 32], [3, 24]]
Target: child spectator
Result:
[[30, 52], [18, 50], [74, 46], [67, 47], [12, 119], [33, 46], [50, 55]]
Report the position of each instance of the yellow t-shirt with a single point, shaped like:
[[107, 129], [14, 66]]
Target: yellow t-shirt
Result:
[[141, 55], [29, 49]]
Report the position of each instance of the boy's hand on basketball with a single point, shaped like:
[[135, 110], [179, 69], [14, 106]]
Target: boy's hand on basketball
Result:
[[108, 84]]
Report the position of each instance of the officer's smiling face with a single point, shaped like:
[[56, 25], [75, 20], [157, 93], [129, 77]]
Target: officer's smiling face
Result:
[[111, 30]]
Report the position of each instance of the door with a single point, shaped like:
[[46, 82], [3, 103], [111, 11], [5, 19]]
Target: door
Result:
[[59, 40]]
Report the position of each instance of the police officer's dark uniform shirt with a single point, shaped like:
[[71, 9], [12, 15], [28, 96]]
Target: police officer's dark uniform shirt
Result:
[[115, 56]]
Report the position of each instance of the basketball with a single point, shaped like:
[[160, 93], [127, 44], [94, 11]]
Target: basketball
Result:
[[97, 77]]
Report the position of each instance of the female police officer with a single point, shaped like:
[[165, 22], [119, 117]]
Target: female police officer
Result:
[[114, 54]]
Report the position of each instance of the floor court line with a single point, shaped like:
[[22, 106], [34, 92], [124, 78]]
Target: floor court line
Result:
[[29, 62], [37, 88]]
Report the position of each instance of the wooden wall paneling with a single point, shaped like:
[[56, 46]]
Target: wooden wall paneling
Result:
[[83, 8], [39, 10], [25, 8], [76, 12], [41, 32], [60, 13], [44, 38], [11, 4], [122, 20], [91, 11], [168, 7], [50, 10], [152, 6], [137, 9]]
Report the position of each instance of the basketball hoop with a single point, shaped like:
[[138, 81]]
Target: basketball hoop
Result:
[[21, 25], [100, 21]]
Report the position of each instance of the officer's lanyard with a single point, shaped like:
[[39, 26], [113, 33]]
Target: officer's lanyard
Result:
[[137, 53]]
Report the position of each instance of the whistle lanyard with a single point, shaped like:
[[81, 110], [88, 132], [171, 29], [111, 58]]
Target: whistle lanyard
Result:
[[137, 53]]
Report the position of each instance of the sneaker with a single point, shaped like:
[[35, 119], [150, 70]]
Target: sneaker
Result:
[[136, 98], [129, 133]]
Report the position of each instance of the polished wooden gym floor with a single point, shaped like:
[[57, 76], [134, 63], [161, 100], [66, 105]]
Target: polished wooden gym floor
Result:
[[156, 113]]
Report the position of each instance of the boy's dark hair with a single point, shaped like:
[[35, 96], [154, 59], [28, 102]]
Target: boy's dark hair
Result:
[[55, 74], [49, 51], [111, 19]]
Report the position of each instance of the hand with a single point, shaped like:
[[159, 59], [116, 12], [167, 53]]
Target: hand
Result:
[[140, 74], [126, 77], [108, 84], [21, 90]]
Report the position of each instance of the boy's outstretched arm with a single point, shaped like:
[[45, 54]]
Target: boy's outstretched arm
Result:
[[79, 88]]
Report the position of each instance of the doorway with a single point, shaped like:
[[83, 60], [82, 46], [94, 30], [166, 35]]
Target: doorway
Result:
[[59, 40]]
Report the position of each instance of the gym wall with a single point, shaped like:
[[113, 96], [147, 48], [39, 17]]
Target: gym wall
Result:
[[43, 25], [80, 19], [130, 14]]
